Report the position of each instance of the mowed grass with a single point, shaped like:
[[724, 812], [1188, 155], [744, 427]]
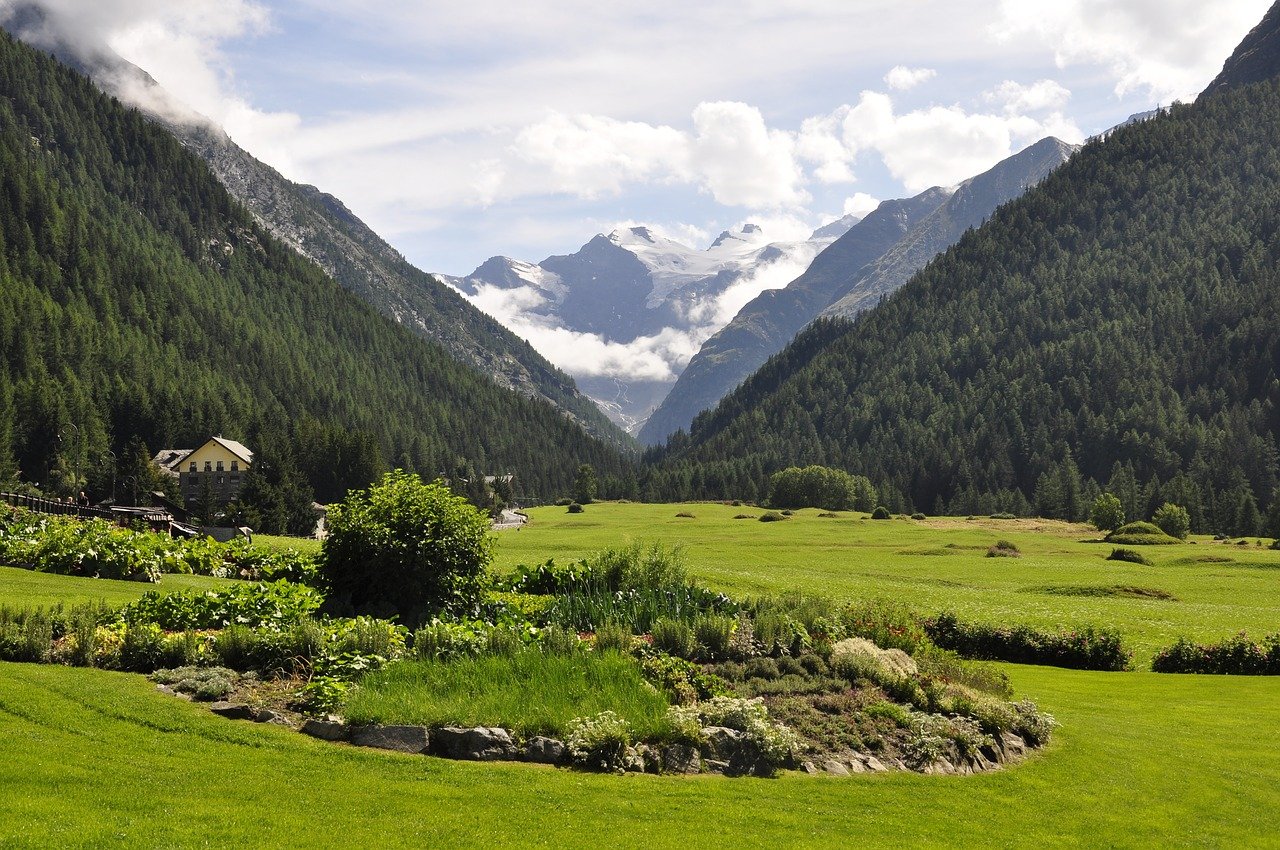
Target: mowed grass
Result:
[[90, 758], [532, 693], [274, 543], [28, 589], [1203, 590]]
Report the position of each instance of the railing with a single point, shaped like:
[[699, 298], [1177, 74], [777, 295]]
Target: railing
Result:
[[51, 506]]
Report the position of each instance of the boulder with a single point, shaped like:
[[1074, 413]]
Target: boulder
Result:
[[1013, 744], [479, 744], [717, 765], [721, 742], [681, 758], [632, 761], [233, 710], [401, 739], [809, 767], [545, 750], [875, 765], [325, 730], [266, 715], [835, 768]]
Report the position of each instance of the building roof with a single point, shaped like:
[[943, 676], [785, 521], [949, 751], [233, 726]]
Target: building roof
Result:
[[238, 449], [170, 458]]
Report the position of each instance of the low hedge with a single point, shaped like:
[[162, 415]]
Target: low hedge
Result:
[[1088, 648], [1236, 656]]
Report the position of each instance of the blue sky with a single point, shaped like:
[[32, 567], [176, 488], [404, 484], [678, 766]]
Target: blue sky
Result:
[[461, 131]]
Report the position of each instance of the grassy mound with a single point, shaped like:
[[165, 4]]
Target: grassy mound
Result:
[[1140, 534], [530, 693], [1128, 556]]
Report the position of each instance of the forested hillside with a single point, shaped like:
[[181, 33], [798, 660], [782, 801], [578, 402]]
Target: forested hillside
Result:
[[1117, 327], [139, 300]]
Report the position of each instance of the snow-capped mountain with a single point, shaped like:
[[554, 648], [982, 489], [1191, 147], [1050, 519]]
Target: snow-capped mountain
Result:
[[624, 313]]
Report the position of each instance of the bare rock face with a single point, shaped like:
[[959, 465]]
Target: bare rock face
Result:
[[1256, 59]]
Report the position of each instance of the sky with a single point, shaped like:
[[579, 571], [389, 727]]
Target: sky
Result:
[[460, 131]]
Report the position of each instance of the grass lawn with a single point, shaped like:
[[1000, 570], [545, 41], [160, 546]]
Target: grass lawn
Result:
[[90, 758], [544, 692], [28, 589], [1061, 580], [273, 543]]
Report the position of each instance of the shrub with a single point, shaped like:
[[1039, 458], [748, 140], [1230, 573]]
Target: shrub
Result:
[[575, 508], [881, 512], [684, 681], [745, 516], [713, 634], [440, 641], [761, 668], [276, 604], [554, 640], [202, 683], [504, 643], [406, 548], [613, 637], [1128, 555], [1004, 549], [771, 516], [674, 638], [828, 515], [1004, 516], [561, 503], [321, 695], [685, 515], [1173, 520], [918, 516], [947, 666], [1088, 648], [1237, 656], [776, 743], [821, 487], [599, 742], [1107, 513], [1140, 534]]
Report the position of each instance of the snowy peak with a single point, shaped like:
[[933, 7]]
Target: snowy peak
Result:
[[836, 229]]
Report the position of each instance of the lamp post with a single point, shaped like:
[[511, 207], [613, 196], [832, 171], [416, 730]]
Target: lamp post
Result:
[[114, 469]]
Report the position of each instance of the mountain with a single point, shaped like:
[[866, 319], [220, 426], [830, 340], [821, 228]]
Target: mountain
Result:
[[140, 300], [873, 259], [1256, 59], [1117, 326], [634, 287], [323, 229]]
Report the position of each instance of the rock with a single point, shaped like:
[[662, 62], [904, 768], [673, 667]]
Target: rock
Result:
[[165, 689], [722, 742], [650, 757], [632, 761], [233, 710], [835, 768], [809, 767], [875, 765], [269, 716], [1013, 744], [401, 739], [681, 758], [991, 753], [717, 766], [856, 766], [479, 744], [544, 750], [325, 730]]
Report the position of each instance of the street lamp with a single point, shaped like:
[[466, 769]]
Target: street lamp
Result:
[[75, 466], [114, 470]]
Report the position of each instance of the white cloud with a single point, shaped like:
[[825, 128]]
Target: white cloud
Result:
[[1167, 48], [902, 78], [1038, 97], [860, 204], [730, 153], [937, 146]]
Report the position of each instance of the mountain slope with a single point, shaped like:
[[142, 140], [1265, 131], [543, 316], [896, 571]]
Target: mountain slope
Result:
[[1256, 59], [139, 299], [1118, 324], [636, 292], [873, 259], [774, 317], [321, 228]]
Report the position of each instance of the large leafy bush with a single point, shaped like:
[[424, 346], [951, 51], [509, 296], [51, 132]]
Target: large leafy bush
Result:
[[406, 548]]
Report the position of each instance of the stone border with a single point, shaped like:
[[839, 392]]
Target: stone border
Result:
[[725, 752]]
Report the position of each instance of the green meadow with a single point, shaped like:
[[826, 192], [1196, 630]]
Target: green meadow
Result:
[[93, 758], [1203, 589]]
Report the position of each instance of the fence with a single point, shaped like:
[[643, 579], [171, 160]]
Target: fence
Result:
[[50, 506]]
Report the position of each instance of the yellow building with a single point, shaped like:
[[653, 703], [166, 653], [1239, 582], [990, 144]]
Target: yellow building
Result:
[[220, 464]]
